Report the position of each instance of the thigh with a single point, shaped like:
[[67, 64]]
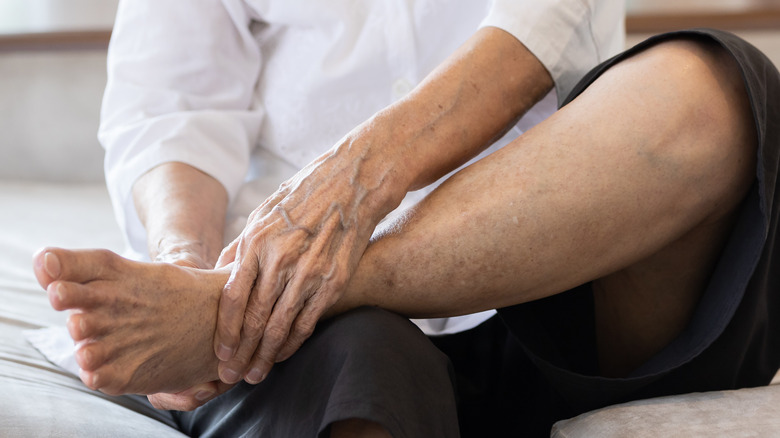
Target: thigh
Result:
[[367, 364]]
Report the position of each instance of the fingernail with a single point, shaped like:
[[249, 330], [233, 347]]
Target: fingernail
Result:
[[255, 376], [52, 265], [230, 376], [203, 395], [224, 353]]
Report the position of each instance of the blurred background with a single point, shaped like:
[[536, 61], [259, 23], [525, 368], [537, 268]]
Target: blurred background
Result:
[[52, 72]]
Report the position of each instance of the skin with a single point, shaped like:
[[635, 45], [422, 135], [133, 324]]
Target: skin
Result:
[[309, 236], [566, 201], [300, 248], [183, 211]]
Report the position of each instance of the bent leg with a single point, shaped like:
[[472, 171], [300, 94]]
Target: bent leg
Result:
[[642, 170]]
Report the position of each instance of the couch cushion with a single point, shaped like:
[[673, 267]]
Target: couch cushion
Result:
[[751, 412]]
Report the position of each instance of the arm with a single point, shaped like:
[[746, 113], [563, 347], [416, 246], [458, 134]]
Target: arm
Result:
[[180, 84], [309, 236], [183, 211]]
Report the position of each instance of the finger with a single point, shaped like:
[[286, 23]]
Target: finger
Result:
[[232, 305], [228, 255], [276, 333], [302, 330], [261, 302]]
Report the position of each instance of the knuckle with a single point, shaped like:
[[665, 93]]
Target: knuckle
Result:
[[302, 331], [233, 295], [274, 335], [263, 359], [254, 322]]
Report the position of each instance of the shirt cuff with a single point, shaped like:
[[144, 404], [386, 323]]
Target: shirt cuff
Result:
[[214, 142]]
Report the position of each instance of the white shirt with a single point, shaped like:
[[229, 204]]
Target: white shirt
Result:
[[250, 91]]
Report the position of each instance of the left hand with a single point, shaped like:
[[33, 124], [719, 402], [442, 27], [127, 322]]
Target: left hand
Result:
[[295, 256]]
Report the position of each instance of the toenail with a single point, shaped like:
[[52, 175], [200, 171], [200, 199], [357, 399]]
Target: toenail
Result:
[[52, 265], [203, 395], [87, 355], [57, 289], [230, 376], [255, 376]]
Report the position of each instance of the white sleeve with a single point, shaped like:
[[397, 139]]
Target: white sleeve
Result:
[[181, 81], [569, 37]]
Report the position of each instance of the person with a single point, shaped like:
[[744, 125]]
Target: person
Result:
[[628, 242], [208, 108]]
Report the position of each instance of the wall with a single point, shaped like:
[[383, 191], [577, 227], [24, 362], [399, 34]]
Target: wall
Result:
[[50, 99], [49, 113]]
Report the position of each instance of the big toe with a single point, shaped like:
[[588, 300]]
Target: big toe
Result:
[[46, 266], [78, 266]]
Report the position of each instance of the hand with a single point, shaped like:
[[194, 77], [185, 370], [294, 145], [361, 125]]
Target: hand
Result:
[[294, 258]]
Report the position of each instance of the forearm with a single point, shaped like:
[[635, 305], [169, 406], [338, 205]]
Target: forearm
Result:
[[183, 211], [472, 99]]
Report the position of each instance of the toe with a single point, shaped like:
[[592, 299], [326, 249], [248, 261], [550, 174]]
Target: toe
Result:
[[78, 266], [66, 295], [89, 356], [82, 326], [44, 263]]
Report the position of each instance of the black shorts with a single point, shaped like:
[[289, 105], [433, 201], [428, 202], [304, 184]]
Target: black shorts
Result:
[[517, 373]]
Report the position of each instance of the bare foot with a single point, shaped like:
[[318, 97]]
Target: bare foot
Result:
[[140, 327]]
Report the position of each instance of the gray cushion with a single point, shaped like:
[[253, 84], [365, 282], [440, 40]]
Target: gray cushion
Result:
[[751, 412]]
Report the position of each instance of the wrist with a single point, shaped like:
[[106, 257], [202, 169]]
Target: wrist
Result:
[[184, 251]]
